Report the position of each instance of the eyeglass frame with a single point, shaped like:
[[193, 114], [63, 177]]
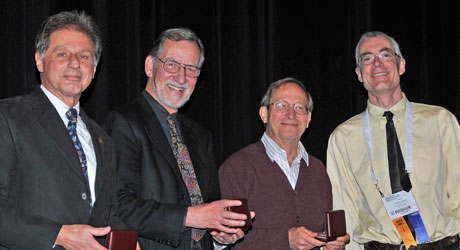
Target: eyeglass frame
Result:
[[288, 105], [186, 67], [380, 55]]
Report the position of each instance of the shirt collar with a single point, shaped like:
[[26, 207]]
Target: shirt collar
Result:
[[398, 110], [159, 110], [274, 150], [59, 105]]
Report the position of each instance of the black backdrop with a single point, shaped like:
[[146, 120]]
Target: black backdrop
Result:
[[248, 45]]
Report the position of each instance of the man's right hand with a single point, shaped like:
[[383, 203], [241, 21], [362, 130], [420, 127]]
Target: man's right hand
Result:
[[80, 237]]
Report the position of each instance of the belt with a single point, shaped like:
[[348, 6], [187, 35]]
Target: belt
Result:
[[435, 245]]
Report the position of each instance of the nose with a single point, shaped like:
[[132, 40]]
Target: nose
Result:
[[376, 60], [291, 112], [180, 76], [74, 61]]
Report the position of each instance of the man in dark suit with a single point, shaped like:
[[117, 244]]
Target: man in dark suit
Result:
[[153, 196], [47, 200]]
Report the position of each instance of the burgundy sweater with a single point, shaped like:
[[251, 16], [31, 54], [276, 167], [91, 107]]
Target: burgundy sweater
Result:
[[249, 173]]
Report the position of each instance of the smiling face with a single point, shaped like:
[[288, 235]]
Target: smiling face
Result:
[[380, 78], [68, 65], [172, 90], [286, 128]]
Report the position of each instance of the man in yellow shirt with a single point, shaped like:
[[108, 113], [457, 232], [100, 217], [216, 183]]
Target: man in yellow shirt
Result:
[[429, 138]]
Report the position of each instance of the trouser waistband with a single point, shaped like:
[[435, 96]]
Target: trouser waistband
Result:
[[448, 243]]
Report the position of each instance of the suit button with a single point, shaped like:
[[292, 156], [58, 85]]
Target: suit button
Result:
[[84, 196]]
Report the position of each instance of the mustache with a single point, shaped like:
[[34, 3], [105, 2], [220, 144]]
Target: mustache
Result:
[[177, 85]]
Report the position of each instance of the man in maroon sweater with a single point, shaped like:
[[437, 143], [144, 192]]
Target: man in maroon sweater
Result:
[[288, 189]]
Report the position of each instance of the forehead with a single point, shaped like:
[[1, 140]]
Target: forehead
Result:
[[70, 38], [374, 44], [184, 51], [289, 92]]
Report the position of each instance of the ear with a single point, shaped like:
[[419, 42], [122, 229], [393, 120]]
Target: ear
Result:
[[402, 66], [358, 73], [39, 62], [308, 118], [263, 113], [148, 66]]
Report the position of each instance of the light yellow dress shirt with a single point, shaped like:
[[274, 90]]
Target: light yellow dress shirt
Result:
[[435, 178]]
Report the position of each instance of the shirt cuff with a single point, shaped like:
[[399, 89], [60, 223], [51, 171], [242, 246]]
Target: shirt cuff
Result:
[[218, 246]]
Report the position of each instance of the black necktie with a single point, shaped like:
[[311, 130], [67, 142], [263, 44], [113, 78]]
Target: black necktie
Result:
[[398, 176]]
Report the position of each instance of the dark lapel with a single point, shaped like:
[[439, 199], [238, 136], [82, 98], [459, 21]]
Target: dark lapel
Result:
[[194, 140], [156, 135], [50, 123], [99, 147]]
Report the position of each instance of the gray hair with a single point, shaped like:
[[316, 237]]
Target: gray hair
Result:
[[371, 34], [69, 20], [268, 95], [177, 34]]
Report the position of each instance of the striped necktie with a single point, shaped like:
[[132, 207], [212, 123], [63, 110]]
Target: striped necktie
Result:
[[72, 128]]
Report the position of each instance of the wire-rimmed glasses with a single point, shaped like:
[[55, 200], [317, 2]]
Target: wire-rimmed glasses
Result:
[[384, 55], [172, 66], [283, 107]]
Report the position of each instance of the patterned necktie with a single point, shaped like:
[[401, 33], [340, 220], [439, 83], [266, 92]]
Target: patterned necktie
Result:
[[72, 128], [188, 173], [398, 176]]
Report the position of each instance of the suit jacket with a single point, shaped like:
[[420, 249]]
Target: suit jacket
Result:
[[42, 186], [153, 198]]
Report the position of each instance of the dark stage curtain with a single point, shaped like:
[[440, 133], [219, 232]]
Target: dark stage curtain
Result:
[[249, 44]]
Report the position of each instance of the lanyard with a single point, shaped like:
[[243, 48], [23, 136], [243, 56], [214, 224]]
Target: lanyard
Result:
[[408, 127], [407, 198]]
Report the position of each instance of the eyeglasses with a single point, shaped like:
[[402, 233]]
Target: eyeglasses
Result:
[[172, 66], [283, 107], [386, 55]]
